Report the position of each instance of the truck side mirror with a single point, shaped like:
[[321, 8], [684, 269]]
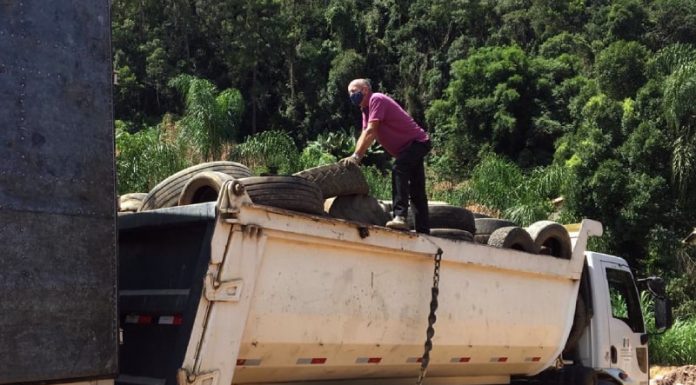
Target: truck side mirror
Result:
[[663, 314], [662, 305]]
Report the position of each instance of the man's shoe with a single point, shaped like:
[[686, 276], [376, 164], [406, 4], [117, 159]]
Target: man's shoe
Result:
[[398, 223]]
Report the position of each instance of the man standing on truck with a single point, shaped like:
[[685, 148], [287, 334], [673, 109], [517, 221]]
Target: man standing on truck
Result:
[[385, 121]]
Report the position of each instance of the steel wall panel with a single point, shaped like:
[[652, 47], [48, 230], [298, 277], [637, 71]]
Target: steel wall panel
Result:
[[57, 192]]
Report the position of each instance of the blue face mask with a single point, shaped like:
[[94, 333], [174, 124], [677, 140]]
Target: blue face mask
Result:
[[356, 98]]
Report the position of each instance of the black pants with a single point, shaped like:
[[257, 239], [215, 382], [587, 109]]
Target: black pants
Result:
[[408, 180]]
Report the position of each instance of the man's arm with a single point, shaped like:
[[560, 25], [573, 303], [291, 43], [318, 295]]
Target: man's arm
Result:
[[367, 137]]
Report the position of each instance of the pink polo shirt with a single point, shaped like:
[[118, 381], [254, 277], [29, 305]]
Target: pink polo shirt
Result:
[[397, 129]]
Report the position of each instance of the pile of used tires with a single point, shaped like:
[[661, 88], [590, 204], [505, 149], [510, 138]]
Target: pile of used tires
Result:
[[341, 191]]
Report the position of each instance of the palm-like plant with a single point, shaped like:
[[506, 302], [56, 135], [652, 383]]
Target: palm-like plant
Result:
[[211, 117], [680, 109]]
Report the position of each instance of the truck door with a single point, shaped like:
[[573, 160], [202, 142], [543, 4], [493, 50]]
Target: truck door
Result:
[[626, 352]]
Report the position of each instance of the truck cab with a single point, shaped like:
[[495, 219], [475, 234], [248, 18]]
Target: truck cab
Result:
[[615, 340]]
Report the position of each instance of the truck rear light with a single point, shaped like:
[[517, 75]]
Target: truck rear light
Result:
[[368, 360], [170, 320], [138, 319], [248, 362], [460, 359], [413, 360], [311, 361], [499, 359]]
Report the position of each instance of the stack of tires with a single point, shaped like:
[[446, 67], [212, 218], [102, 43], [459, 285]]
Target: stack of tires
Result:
[[543, 237], [341, 191], [346, 193], [202, 183]]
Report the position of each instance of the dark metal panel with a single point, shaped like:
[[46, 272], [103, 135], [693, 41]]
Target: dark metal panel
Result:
[[163, 257], [58, 275]]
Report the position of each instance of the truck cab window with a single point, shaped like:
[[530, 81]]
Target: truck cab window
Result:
[[625, 304]]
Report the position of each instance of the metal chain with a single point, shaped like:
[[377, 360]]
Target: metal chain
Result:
[[430, 332]]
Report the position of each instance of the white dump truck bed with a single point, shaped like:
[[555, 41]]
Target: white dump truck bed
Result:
[[294, 298]]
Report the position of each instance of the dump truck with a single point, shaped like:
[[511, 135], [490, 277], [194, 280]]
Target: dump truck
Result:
[[230, 292], [234, 292]]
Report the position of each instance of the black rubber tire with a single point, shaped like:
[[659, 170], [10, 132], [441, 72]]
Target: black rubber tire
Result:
[[551, 238], [483, 239], [166, 193], [203, 187], [454, 234], [336, 179], [285, 192], [512, 237], [489, 225], [442, 216], [486, 226], [358, 208]]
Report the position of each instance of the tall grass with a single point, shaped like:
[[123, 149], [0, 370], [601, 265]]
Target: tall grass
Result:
[[677, 345], [501, 186]]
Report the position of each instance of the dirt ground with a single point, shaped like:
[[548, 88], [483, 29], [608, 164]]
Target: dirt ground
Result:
[[673, 375]]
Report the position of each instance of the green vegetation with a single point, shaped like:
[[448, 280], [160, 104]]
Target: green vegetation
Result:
[[525, 100]]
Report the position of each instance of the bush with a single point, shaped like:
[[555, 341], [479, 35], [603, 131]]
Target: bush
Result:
[[268, 152], [145, 158], [379, 182]]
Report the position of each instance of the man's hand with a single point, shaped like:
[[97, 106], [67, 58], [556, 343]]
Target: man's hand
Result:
[[353, 159]]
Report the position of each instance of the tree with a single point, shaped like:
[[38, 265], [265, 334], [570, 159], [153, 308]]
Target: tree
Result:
[[620, 68], [680, 109], [499, 97], [211, 117], [627, 20]]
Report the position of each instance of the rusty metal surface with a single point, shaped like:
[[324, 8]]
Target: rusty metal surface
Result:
[[57, 192]]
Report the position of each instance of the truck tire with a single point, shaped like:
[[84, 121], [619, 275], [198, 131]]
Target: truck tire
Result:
[[166, 193], [551, 238], [285, 192], [203, 187], [336, 179], [444, 216], [131, 201], [455, 234], [486, 226], [359, 208], [512, 237]]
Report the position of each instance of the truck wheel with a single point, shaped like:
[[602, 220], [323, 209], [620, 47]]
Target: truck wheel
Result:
[[203, 187], [455, 234], [166, 193], [551, 238], [336, 179], [359, 208], [512, 237], [285, 192], [486, 226], [131, 201], [444, 216]]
